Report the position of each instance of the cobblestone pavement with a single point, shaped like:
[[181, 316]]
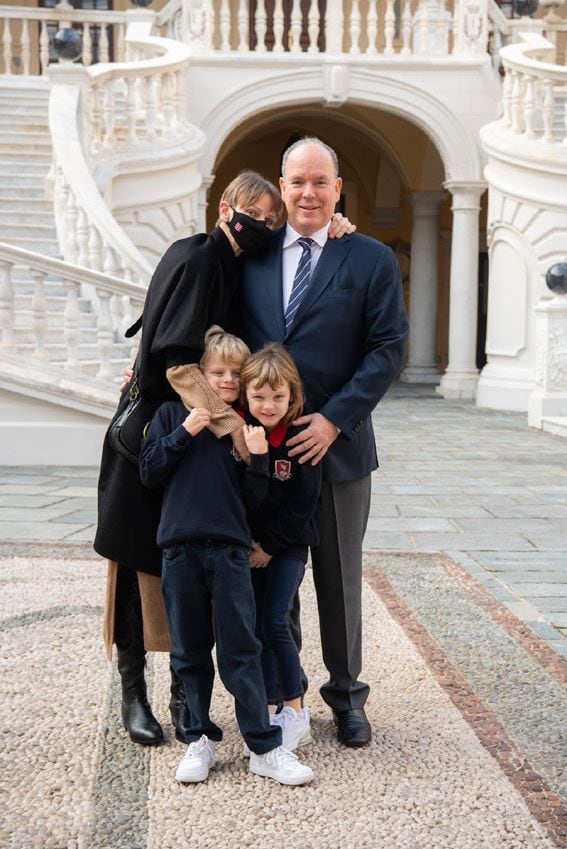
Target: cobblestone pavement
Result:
[[465, 633]]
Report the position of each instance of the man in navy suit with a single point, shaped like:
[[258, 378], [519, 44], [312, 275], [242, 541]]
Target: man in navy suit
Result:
[[337, 307]]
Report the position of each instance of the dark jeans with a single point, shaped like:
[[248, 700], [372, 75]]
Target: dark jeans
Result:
[[195, 577], [274, 589]]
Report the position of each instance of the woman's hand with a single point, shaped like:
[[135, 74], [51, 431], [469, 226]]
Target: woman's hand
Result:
[[126, 377], [255, 439], [340, 226], [258, 557], [197, 420]]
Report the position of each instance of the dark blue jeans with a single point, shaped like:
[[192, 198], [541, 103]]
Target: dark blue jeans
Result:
[[274, 589], [195, 578]]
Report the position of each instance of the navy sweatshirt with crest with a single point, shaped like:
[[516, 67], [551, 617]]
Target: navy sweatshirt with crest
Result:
[[206, 483], [288, 517]]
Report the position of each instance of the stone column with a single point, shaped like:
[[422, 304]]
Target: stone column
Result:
[[461, 376], [424, 281]]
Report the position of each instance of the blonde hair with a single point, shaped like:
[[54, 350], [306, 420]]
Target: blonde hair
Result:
[[225, 346], [273, 365], [248, 188]]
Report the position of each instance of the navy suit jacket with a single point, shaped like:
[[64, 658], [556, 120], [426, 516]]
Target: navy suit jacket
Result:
[[347, 339]]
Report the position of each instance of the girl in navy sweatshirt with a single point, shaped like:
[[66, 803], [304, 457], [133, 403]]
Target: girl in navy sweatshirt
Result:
[[283, 527]]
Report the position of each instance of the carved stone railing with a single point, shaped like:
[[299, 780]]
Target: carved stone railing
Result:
[[23, 28], [51, 340], [534, 98], [102, 112], [374, 28]]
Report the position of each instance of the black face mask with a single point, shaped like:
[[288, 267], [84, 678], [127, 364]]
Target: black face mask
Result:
[[248, 233]]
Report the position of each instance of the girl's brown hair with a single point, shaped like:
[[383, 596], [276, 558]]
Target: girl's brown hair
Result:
[[225, 346], [273, 365], [248, 188]]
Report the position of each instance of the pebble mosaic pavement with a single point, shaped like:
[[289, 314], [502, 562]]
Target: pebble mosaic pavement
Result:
[[465, 612]]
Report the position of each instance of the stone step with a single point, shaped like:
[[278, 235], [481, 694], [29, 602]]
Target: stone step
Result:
[[555, 424], [24, 194], [41, 231], [23, 334], [25, 137], [49, 247], [36, 202], [56, 301], [55, 320], [57, 351], [11, 169], [23, 218], [33, 154]]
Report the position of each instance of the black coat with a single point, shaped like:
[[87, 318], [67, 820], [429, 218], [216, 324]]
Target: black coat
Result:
[[191, 289]]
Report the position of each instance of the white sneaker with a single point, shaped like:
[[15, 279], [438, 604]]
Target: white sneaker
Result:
[[294, 725], [197, 761], [281, 765]]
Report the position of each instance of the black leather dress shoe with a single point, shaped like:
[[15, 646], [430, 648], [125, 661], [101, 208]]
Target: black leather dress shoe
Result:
[[353, 728]]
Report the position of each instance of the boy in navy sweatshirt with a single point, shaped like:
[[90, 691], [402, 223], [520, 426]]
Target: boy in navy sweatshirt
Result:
[[206, 542]]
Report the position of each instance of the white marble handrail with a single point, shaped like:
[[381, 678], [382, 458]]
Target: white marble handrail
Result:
[[23, 27], [534, 98], [27, 334]]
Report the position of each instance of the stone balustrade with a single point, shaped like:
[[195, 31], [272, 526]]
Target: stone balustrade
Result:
[[52, 339], [534, 98]]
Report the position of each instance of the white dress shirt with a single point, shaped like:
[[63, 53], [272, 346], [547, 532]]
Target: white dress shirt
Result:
[[291, 255]]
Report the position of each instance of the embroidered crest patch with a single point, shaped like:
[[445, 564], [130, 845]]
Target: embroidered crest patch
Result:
[[238, 226], [282, 470]]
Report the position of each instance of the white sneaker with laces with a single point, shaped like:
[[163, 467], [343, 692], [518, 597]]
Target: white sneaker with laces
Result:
[[197, 761], [281, 765], [295, 726]]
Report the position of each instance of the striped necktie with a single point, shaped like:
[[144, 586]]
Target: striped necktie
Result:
[[300, 281]]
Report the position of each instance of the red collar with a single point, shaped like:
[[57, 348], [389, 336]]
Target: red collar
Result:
[[276, 436]]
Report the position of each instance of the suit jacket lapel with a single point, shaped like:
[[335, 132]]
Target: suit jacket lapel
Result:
[[331, 258], [272, 268]]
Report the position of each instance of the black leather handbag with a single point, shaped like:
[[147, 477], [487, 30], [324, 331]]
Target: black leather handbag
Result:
[[130, 424]]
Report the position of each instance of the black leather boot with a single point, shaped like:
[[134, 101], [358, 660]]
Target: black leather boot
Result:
[[178, 707], [137, 716]]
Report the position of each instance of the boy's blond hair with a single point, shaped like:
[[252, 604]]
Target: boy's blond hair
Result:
[[273, 365], [225, 346]]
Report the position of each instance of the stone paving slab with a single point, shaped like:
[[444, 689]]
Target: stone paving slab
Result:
[[448, 766]]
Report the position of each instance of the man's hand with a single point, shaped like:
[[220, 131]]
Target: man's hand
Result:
[[197, 419], [239, 443], [313, 442], [126, 377], [340, 226], [255, 439], [258, 557]]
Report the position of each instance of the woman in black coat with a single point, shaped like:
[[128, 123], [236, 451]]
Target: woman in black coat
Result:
[[192, 288]]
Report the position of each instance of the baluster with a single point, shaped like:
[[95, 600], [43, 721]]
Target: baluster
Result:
[[43, 48], [295, 27], [108, 116], [224, 22], [128, 316], [104, 335], [516, 102], [442, 39], [7, 305], [406, 28], [82, 239], [278, 26], [167, 101], [110, 261], [87, 45], [25, 42], [548, 111], [564, 142], [116, 315], [121, 42], [507, 100], [355, 28], [59, 204], [103, 43], [261, 26], [131, 109], [372, 26], [72, 327], [96, 118], [530, 108], [95, 249], [313, 27], [7, 40], [389, 28], [39, 319], [243, 26], [126, 273], [150, 96], [71, 213], [179, 98]]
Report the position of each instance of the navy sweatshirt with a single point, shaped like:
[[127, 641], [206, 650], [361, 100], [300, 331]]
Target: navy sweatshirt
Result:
[[205, 481], [288, 518]]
